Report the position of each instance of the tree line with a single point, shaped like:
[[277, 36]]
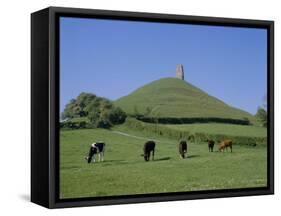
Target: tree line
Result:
[[98, 111]]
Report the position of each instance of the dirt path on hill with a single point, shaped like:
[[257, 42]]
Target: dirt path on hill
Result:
[[138, 137]]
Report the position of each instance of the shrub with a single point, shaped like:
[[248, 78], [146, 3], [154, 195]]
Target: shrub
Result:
[[117, 116], [73, 125]]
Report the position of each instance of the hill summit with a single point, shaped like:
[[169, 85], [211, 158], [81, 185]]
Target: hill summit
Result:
[[176, 98]]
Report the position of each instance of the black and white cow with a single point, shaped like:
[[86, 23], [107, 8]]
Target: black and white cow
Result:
[[148, 147], [97, 148]]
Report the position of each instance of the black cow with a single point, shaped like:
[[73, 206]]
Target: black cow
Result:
[[211, 144], [97, 148], [182, 148], [148, 147]]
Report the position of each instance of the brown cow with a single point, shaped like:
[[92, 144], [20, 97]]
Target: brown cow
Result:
[[211, 144], [182, 148], [225, 144]]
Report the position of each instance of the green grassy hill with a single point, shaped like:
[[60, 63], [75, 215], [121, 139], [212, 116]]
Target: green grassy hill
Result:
[[172, 97]]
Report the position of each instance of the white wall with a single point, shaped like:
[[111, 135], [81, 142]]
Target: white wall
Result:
[[15, 106]]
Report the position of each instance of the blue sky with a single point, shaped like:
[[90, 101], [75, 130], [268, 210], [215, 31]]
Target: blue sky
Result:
[[112, 58]]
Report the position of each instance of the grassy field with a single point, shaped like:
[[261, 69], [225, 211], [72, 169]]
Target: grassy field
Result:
[[225, 129], [125, 172], [172, 97], [248, 135]]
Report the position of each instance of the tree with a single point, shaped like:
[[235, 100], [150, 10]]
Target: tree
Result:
[[261, 116], [100, 111], [70, 109], [78, 107], [94, 115], [105, 104], [117, 116], [103, 120]]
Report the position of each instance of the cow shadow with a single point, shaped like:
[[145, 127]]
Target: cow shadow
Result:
[[192, 156], [112, 161], [162, 159]]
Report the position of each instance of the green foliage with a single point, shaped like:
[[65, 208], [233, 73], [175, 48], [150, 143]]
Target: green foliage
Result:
[[117, 116], [103, 123], [78, 107], [71, 110], [100, 111], [94, 115], [175, 98], [261, 116], [73, 125]]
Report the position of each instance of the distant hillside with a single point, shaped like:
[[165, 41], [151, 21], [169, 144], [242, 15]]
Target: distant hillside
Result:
[[175, 98]]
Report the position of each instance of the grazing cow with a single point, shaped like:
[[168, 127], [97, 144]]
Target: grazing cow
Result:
[[182, 148], [225, 144], [211, 144], [97, 148], [148, 147]]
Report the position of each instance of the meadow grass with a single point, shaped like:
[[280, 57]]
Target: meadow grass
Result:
[[225, 129], [125, 172], [200, 132]]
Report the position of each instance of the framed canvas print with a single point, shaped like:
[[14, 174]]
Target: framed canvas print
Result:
[[139, 107]]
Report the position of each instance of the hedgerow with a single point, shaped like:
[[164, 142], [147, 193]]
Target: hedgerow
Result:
[[192, 137]]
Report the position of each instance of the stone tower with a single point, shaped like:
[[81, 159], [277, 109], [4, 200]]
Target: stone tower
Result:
[[180, 72]]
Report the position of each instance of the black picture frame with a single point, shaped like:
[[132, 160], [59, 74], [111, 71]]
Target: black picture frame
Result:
[[45, 106]]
